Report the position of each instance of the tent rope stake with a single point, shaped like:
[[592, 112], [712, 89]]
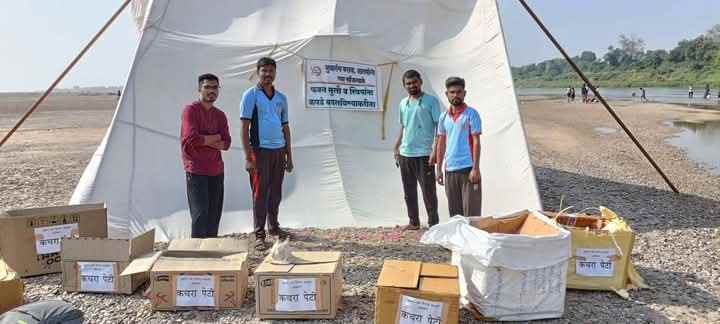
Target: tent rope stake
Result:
[[597, 95], [65, 72]]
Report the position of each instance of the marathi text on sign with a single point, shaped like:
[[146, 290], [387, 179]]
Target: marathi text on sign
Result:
[[195, 290], [341, 85], [296, 295], [594, 262], [97, 276], [415, 311], [47, 239]]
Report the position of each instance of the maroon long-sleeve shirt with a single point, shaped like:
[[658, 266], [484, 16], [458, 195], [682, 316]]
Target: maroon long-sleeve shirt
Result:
[[196, 123]]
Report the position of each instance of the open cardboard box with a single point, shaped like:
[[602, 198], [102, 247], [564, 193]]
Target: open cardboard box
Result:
[[93, 264], [309, 288], [523, 222], [195, 274], [415, 292], [30, 238], [601, 250]]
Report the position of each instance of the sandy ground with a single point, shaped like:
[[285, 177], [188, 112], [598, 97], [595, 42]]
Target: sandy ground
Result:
[[676, 249]]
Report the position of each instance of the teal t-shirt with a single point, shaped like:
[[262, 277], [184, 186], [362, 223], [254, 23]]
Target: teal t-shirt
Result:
[[419, 118]]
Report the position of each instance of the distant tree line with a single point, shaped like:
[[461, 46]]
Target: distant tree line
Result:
[[693, 62]]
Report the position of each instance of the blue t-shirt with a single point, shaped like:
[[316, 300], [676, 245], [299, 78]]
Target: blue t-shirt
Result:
[[267, 116], [418, 119], [458, 130]]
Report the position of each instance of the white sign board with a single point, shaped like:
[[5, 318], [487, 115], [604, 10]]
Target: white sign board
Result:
[[415, 311], [195, 290], [47, 239], [296, 295], [97, 276], [342, 86], [594, 262]]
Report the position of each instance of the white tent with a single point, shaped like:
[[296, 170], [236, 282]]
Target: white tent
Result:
[[345, 174]]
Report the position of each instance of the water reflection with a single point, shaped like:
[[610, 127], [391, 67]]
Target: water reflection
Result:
[[701, 141]]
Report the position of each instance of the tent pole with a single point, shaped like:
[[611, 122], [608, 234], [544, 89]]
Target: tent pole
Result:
[[65, 72], [597, 95]]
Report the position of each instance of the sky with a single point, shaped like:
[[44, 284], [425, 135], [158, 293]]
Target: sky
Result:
[[38, 38]]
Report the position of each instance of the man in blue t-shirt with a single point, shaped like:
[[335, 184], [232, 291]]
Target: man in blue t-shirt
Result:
[[415, 148], [266, 140], [458, 148]]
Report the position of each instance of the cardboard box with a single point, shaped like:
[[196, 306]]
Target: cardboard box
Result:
[[415, 292], [30, 238], [195, 274], [94, 264], [11, 288], [311, 288], [601, 250]]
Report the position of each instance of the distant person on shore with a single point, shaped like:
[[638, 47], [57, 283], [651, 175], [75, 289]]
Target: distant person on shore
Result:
[[643, 96], [572, 94], [691, 92], [568, 93], [707, 92], [584, 93]]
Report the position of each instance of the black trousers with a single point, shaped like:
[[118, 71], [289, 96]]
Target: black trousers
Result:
[[205, 197], [266, 183], [414, 171]]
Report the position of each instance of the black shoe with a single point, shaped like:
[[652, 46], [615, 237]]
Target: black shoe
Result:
[[281, 234]]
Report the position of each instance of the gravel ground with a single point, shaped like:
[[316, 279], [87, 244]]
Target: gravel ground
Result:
[[676, 249]]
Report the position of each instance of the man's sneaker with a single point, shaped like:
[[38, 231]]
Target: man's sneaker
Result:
[[281, 234], [260, 244]]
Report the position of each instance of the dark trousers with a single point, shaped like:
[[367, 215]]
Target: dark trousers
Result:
[[266, 184], [464, 198], [205, 197], [414, 171]]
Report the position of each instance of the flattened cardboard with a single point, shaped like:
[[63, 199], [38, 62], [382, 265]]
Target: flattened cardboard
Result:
[[17, 234], [118, 251], [323, 267], [11, 288], [432, 282]]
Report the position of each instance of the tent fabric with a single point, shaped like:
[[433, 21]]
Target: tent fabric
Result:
[[344, 171]]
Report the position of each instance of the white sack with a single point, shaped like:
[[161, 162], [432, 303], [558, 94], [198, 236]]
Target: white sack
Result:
[[509, 277]]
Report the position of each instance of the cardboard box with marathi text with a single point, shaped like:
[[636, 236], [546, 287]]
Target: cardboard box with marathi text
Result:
[[195, 274], [30, 238], [94, 264], [415, 292], [601, 249], [310, 288], [11, 288]]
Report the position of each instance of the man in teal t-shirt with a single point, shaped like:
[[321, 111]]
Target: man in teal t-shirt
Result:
[[415, 148]]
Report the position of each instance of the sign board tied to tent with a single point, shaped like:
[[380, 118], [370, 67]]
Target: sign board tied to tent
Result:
[[340, 85]]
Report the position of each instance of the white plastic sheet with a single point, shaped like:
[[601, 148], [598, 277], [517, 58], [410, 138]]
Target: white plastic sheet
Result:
[[508, 277]]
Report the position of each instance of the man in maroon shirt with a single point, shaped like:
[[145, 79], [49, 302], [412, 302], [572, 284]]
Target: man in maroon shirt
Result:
[[203, 135]]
